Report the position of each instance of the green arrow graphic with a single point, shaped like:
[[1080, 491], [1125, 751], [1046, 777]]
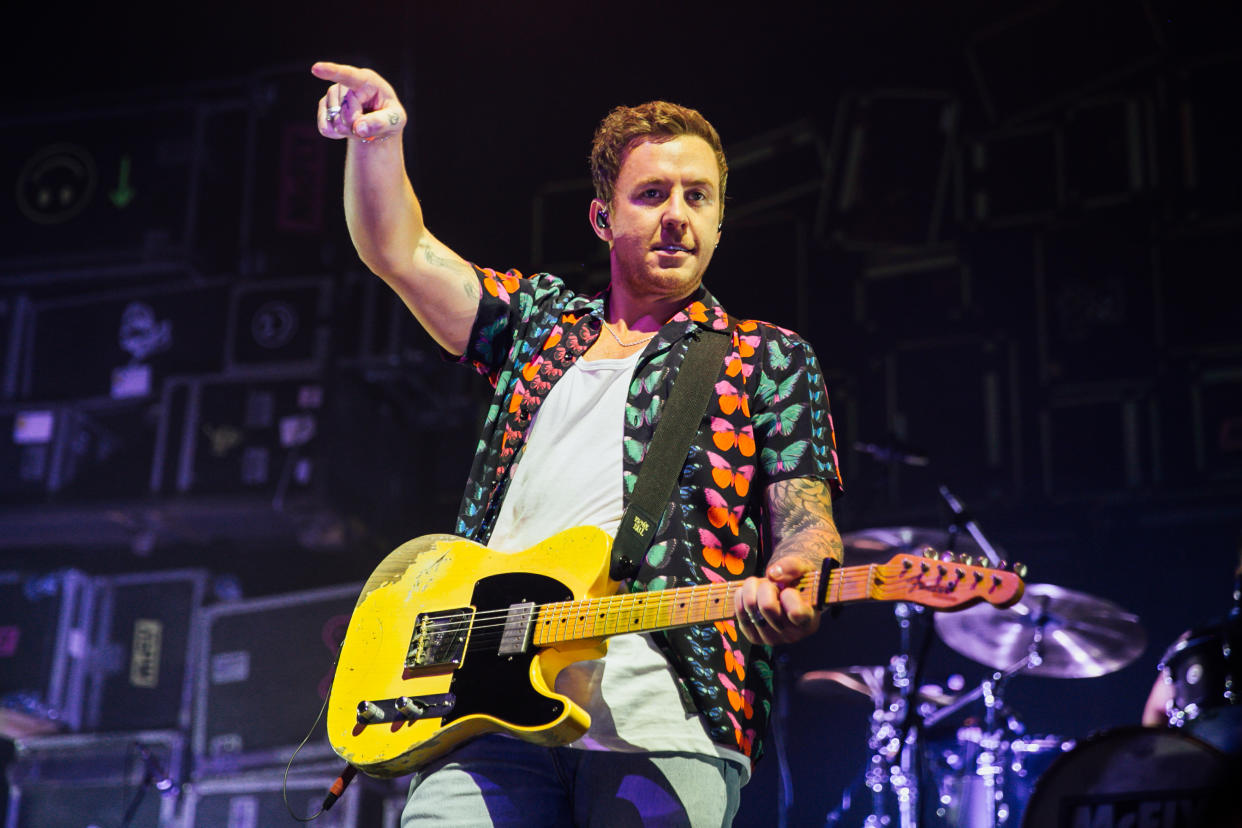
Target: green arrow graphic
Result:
[[124, 192]]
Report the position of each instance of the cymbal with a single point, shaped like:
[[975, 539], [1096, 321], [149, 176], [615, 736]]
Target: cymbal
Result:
[[857, 683], [877, 545], [1083, 636]]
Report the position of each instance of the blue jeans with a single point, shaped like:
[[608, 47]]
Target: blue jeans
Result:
[[496, 780]]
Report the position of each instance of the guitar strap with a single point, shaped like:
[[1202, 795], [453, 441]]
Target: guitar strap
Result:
[[666, 454]]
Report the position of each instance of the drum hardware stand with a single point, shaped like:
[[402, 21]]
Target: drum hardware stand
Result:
[[780, 733], [990, 763], [891, 767]]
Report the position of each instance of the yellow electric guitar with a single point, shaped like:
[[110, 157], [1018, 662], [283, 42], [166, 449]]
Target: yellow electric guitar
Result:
[[450, 640]]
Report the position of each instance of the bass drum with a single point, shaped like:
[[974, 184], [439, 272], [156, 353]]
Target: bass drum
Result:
[[984, 779], [1220, 727], [1138, 776]]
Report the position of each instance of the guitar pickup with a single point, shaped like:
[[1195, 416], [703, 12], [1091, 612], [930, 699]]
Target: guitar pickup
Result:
[[515, 637], [405, 708]]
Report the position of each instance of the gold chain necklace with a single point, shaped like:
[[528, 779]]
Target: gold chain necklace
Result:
[[608, 328]]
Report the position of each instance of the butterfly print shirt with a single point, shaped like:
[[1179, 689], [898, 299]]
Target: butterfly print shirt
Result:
[[769, 420]]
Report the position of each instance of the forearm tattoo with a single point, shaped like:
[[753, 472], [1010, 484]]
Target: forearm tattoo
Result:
[[431, 257], [800, 520], [470, 285]]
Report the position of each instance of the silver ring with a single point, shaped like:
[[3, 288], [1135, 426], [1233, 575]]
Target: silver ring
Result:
[[757, 619], [333, 111]]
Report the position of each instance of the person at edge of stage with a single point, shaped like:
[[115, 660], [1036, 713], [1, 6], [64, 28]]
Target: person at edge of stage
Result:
[[1196, 679], [677, 718]]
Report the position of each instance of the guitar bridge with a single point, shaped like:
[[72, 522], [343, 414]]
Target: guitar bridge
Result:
[[439, 639]]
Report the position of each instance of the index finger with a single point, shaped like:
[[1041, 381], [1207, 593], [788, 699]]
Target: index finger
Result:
[[341, 73]]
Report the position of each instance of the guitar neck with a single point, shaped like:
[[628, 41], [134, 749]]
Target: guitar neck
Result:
[[594, 618], [929, 582]]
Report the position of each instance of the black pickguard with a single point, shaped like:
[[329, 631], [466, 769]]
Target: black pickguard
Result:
[[499, 686]]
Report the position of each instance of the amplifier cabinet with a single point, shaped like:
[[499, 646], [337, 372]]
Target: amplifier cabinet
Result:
[[278, 326], [93, 450], [76, 780], [146, 633], [263, 675], [122, 344], [244, 436], [101, 184], [894, 182], [1096, 304], [109, 451], [33, 447], [951, 399], [13, 310], [257, 799], [45, 635], [1099, 439]]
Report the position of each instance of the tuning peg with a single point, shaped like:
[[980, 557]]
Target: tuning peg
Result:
[[965, 559], [1002, 565], [947, 557], [1019, 569]]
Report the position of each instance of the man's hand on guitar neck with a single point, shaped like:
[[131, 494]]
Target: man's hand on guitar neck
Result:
[[769, 609], [803, 533]]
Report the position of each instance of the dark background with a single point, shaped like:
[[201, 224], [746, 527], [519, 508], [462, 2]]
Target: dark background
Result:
[[1010, 230]]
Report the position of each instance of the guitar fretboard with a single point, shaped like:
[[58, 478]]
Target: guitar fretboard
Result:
[[590, 618]]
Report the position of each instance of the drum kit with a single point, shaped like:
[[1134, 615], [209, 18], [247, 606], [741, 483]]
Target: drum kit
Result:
[[984, 775]]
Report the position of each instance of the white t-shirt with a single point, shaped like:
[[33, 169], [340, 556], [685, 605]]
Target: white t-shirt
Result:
[[570, 475]]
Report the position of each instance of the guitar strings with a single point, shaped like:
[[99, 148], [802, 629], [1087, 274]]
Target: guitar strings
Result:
[[488, 627], [610, 604], [579, 612], [634, 602], [840, 581], [607, 604], [565, 611]]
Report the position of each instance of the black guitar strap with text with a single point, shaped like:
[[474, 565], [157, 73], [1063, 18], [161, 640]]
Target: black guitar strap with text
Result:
[[666, 455]]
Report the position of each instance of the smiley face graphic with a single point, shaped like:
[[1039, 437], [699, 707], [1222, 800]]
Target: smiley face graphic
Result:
[[56, 184]]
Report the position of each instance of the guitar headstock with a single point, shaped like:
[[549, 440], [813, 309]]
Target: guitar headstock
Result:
[[944, 584]]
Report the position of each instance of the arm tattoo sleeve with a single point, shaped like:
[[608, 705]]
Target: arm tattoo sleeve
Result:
[[800, 520]]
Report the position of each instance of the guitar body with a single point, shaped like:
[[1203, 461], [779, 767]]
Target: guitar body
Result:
[[456, 592]]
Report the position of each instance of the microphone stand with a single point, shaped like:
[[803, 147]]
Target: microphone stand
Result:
[[964, 520]]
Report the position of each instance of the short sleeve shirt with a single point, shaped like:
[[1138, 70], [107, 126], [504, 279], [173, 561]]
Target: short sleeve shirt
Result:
[[768, 420]]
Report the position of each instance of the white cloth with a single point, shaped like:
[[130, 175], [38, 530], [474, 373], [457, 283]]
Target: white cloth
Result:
[[570, 475]]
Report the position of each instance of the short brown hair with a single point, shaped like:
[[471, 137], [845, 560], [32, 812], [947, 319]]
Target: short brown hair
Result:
[[654, 121]]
